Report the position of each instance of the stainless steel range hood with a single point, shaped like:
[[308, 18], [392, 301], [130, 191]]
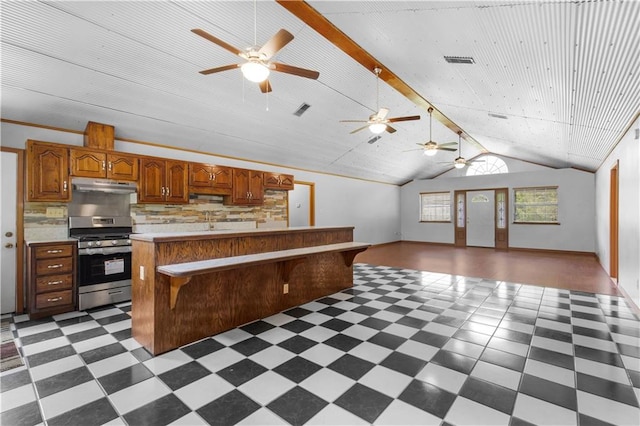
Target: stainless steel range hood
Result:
[[103, 185]]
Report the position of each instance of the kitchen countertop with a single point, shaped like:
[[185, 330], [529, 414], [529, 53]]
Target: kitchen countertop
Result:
[[199, 235], [52, 241]]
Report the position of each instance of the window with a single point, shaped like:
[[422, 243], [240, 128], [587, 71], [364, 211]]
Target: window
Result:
[[487, 165], [435, 207], [535, 205]]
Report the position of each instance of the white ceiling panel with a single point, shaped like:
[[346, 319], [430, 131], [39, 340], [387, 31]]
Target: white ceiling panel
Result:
[[562, 74]]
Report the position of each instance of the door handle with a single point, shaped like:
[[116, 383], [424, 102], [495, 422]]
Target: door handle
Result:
[[8, 234], [8, 245]]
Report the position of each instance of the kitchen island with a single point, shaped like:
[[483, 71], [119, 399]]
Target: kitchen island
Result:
[[191, 285]]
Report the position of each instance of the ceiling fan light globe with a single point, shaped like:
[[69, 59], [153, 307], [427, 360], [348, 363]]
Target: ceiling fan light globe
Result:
[[459, 163], [255, 71], [430, 152], [377, 128]]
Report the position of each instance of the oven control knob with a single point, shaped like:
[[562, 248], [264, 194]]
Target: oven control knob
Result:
[[90, 243], [98, 243], [114, 242], [129, 242]]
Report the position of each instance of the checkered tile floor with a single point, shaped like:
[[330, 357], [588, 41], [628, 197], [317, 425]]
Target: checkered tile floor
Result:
[[400, 347]]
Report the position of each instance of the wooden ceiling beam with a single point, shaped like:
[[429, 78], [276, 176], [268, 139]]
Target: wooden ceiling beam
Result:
[[310, 16]]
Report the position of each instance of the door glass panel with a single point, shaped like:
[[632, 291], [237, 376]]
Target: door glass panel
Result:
[[500, 209], [460, 220]]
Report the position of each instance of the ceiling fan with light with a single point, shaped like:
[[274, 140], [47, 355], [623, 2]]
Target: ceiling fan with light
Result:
[[431, 148], [378, 122], [258, 64], [460, 162]]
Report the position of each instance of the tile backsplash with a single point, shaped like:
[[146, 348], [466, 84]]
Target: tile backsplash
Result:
[[203, 212]]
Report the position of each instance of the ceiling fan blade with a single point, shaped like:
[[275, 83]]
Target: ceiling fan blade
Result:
[[219, 69], [407, 118], [446, 149], [409, 150], [217, 41], [290, 69], [448, 143], [358, 129], [353, 121], [275, 43], [265, 86], [381, 114], [390, 129]]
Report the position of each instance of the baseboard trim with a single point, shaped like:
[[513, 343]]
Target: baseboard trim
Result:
[[427, 242], [533, 250]]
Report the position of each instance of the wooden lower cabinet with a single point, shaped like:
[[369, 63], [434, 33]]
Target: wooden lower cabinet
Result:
[[51, 286]]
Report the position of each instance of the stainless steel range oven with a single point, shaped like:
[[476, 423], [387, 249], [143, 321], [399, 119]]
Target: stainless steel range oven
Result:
[[104, 259]]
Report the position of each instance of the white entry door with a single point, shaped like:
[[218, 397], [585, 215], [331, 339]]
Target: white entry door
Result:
[[300, 205], [8, 263], [481, 231]]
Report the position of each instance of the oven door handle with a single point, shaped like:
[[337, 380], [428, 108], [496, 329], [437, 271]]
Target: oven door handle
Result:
[[104, 250]]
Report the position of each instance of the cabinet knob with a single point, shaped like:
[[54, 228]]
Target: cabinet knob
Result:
[[64, 186], [54, 251], [110, 166], [56, 266], [8, 245], [104, 165], [54, 299]]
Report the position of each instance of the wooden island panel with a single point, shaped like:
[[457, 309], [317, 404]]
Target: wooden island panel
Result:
[[219, 301]]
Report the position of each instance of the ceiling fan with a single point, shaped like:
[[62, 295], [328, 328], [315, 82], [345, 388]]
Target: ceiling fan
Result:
[[430, 148], [258, 65], [460, 162], [379, 122]]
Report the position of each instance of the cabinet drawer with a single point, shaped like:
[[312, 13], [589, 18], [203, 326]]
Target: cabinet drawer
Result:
[[54, 266], [54, 283], [55, 298], [62, 250]]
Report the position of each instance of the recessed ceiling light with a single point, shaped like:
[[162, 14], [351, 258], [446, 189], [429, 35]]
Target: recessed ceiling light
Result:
[[459, 59]]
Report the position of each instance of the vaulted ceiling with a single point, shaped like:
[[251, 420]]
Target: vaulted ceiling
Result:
[[555, 83]]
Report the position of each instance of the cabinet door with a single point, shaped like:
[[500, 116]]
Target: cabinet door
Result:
[[152, 176], [87, 163], [221, 176], [47, 172], [200, 175], [122, 166], [176, 183], [241, 179], [286, 182], [256, 188], [271, 180]]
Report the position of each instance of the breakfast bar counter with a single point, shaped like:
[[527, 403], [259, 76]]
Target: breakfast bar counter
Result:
[[190, 285]]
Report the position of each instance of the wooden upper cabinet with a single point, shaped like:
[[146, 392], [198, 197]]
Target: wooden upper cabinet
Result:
[[122, 166], [278, 181], [99, 164], [163, 181], [47, 172], [247, 187], [209, 179]]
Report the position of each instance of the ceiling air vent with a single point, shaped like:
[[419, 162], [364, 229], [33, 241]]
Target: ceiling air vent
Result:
[[373, 139], [459, 59], [303, 108], [491, 114]]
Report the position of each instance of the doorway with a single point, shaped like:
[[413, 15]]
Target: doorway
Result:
[[11, 181], [613, 223], [481, 219], [301, 204]]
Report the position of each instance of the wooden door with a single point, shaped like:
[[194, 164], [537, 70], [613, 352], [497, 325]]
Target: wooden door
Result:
[[177, 182], [200, 175], [256, 188], [47, 172], [221, 177], [122, 166], [152, 178], [241, 178], [88, 163]]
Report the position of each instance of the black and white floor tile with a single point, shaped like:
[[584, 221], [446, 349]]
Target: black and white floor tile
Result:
[[400, 347]]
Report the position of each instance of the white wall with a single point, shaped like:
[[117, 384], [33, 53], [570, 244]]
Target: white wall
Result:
[[628, 155], [373, 208], [576, 209]]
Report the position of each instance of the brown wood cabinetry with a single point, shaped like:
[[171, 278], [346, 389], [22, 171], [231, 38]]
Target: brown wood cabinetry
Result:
[[247, 187], [163, 181], [99, 164], [50, 278], [209, 179], [278, 181], [47, 172]]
